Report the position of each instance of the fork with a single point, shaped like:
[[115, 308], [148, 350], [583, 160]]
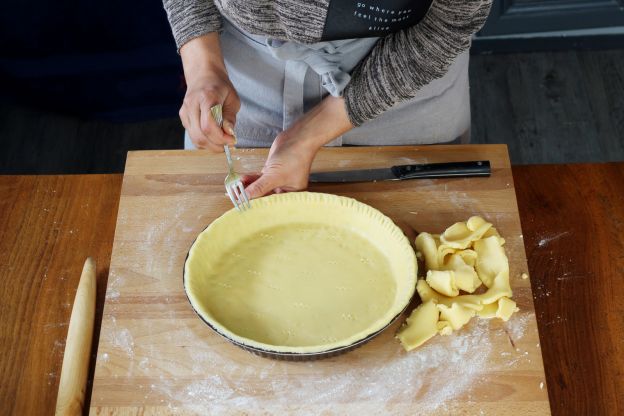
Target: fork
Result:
[[233, 183]]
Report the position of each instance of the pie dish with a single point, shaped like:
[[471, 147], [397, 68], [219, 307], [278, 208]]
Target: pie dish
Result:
[[300, 275]]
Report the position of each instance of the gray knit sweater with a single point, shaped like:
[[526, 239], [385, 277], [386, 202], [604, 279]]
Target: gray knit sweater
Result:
[[399, 65]]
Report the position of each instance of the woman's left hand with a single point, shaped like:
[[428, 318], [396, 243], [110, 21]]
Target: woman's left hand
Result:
[[288, 166]]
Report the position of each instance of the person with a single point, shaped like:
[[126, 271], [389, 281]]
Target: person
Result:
[[297, 75]]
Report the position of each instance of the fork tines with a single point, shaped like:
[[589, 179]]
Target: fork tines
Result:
[[237, 194]]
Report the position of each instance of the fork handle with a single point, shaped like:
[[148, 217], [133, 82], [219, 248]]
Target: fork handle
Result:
[[228, 156]]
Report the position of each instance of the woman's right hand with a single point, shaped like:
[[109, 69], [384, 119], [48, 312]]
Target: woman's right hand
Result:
[[207, 85]]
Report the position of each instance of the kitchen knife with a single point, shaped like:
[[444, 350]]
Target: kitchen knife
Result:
[[394, 173]]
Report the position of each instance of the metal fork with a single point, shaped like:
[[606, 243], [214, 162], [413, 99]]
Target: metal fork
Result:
[[233, 183]]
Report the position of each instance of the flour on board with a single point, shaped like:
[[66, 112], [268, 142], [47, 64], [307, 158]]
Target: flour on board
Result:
[[431, 378]]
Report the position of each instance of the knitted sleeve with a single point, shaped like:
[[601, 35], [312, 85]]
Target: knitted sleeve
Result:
[[191, 18], [402, 63]]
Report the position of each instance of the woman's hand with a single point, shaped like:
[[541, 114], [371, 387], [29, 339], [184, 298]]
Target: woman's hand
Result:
[[288, 166], [286, 169], [207, 85]]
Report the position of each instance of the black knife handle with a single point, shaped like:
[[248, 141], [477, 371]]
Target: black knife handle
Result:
[[443, 170]]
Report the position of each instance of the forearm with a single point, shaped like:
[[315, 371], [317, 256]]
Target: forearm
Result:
[[202, 56], [321, 124], [207, 85], [292, 152]]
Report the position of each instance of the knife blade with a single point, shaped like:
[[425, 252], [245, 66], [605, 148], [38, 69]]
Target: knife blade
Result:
[[402, 172]]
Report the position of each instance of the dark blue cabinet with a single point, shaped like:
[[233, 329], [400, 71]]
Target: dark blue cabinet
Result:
[[509, 17]]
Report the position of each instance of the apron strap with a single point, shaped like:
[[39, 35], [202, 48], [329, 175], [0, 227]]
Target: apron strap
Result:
[[292, 107], [292, 104]]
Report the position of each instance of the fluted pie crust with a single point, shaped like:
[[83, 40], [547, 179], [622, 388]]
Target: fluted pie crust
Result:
[[300, 273]]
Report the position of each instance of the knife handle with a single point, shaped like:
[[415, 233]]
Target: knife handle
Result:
[[443, 170]]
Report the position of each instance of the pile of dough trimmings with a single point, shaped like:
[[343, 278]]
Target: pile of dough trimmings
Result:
[[467, 255]]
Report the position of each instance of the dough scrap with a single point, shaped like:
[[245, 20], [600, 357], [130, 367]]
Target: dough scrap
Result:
[[488, 311], [426, 293], [457, 315], [506, 308], [468, 256], [462, 258], [466, 277], [460, 235], [491, 260], [475, 222], [500, 288], [444, 328], [426, 245], [421, 326], [443, 282], [503, 309]]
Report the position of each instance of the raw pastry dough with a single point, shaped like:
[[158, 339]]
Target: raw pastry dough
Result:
[[466, 277], [426, 293], [457, 315], [491, 260], [502, 309], [462, 258], [444, 328], [421, 326], [469, 256], [426, 245], [443, 282], [300, 272], [506, 308], [460, 235], [499, 288], [488, 311]]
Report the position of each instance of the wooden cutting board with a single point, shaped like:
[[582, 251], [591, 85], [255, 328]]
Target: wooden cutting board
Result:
[[155, 355]]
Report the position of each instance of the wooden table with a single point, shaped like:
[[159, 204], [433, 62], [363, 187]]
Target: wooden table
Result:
[[573, 225]]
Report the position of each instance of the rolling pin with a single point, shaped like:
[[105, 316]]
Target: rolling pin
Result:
[[73, 383]]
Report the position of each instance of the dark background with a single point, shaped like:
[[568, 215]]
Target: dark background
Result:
[[82, 82], [112, 60]]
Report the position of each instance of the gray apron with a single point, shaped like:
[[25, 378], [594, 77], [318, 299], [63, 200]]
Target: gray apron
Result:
[[278, 81]]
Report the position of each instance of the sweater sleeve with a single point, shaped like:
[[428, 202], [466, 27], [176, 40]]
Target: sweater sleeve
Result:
[[191, 18], [402, 63]]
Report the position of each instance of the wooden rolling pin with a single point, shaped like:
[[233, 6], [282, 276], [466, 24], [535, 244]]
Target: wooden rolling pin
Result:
[[73, 383]]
